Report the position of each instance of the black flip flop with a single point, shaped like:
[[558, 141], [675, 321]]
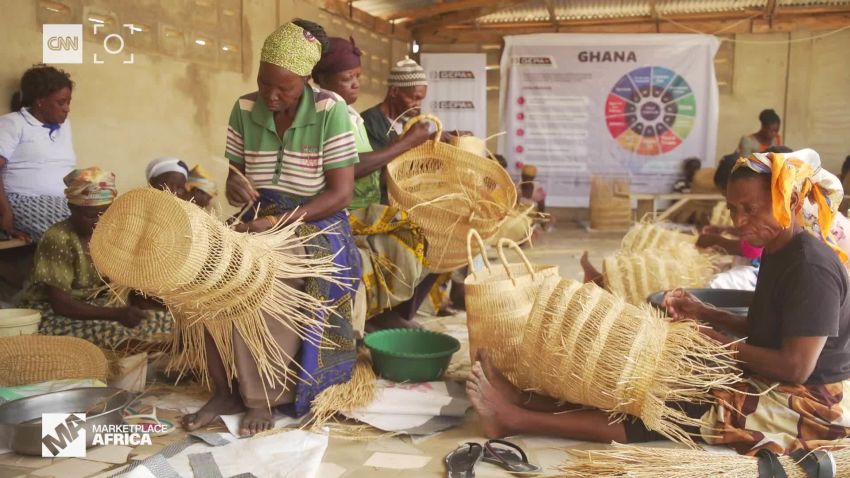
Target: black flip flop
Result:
[[460, 463], [509, 456]]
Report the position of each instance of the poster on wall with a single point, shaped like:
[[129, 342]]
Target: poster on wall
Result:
[[580, 105], [457, 90]]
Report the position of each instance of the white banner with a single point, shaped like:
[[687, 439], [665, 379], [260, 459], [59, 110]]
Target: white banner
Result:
[[457, 90], [577, 105]]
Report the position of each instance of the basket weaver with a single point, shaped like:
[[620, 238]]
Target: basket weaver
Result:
[[448, 191], [498, 301], [586, 346], [213, 279], [643, 236], [30, 359], [636, 276]]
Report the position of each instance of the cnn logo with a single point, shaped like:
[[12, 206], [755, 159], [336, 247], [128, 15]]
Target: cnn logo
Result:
[[62, 43]]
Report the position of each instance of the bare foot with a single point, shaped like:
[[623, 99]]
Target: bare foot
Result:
[[220, 404], [591, 274], [390, 320], [494, 410], [256, 420], [498, 380]]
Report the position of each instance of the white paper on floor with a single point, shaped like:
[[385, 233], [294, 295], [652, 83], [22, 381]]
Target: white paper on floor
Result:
[[232, 422], [396, 461], [132, 373], [415, 408], [295, 454], [171, 401]]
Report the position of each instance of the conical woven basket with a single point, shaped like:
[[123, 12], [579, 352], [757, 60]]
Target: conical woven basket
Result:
[[645, 236], [498, 301], [585, 346], [635, 276], [30, 359], [214, 280], [448, 191]]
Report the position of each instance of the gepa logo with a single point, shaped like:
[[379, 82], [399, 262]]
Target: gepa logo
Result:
[[453, 105], [534, 60], [62, 43], [453, 75], [63, 435]]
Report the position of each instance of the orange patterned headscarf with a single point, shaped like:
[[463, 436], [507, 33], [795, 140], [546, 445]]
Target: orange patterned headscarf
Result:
[[90, 187], [800, 172]]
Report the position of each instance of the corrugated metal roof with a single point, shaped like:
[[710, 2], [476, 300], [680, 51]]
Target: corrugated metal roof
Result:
[[536, 11]]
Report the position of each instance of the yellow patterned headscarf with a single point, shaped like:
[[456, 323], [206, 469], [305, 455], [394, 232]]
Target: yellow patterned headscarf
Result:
[[90, 187], [292, 48], [199, 179], [800, 172]]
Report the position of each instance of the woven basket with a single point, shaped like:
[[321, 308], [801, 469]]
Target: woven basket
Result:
[[720, 215], [448, 191], [214, 280], [38, 358], [498, 301], [610, 206], [634, 277], [644, 236], [585, 346]]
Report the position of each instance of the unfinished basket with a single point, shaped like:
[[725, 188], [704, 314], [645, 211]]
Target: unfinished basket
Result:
[[213, 279], [583, 345], [30, 359], [634, 277], [448, 191], [643, 236], [498, 301], [519, 224], [720, 215]]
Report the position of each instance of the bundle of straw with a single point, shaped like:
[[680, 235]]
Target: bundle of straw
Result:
[[349, 396], [646, 462], [214, 280], [643, 236], [585, 346], [498, 301], [448, 191], [636, 276]]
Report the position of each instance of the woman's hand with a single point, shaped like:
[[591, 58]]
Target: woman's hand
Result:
[[416, 135], [259, 225], [240, 191], [682, 305], [131, 316], [7, 223]]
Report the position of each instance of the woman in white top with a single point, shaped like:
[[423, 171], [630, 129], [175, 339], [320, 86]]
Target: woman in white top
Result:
[[36, 152]]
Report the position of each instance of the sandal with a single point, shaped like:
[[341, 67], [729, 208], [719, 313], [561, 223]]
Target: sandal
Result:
[[461, 462], [508, 456]]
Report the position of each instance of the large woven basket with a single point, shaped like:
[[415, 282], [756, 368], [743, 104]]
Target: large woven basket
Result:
[[610, 206], [30, 359], [585, 346], [498, 301], [643, 236], [448, 191]]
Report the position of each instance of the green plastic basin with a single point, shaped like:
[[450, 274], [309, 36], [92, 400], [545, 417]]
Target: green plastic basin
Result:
[[411, 355]]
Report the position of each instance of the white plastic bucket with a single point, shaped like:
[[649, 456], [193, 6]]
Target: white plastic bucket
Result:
[[19, 322]]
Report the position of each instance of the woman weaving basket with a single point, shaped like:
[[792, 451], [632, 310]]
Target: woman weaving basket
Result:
[[395, 280], [64, 280], [797, 350], [294, 143]]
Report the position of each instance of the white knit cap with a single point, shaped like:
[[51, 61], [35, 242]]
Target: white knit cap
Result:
[[166, 164], [407, 73]]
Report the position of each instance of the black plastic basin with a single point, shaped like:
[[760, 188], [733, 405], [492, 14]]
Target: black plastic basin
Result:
[[731, 300]]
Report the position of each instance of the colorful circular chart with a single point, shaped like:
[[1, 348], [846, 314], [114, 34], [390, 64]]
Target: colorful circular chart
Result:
[[650, 110]]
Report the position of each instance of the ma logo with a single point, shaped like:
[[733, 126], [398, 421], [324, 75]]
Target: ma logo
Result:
[[63, 435]]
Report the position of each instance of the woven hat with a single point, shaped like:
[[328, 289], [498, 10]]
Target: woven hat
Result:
[[30, 359], [407, 73], [213, 279]]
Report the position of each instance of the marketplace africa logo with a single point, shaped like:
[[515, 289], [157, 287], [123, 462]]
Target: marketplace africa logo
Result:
[[650, 111], [452, 75], [66, 434], [452, 105]]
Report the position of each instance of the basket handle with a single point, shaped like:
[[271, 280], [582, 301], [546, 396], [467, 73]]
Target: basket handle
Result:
[[513, 245], [431, 118], [481, 247]]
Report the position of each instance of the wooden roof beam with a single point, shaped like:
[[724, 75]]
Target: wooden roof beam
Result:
[[553, 17], [347, 10]]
